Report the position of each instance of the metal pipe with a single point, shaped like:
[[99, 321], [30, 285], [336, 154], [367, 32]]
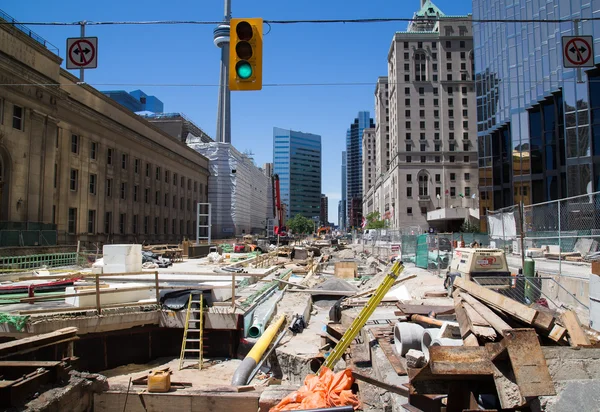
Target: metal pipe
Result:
[[263, 314], [241, 374], [266, 356]]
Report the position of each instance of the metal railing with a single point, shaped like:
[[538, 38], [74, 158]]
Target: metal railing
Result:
[[28, 32], [51, 260]]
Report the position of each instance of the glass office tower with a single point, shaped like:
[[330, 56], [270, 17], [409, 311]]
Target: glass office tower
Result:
[[297, 161], [538, 128]]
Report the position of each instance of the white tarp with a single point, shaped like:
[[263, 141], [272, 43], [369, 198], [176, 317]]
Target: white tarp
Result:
[[502, 225]]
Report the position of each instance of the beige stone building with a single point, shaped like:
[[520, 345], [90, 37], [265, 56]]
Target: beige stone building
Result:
[[369, 160], [73, 158], [433, 172]]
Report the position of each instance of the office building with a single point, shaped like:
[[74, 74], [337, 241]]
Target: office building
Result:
[[538, 128], [433, 164], [94, 172], [369, 160], [297, 161], [342, 209], [354, 156], [136, 101], [324, 210]]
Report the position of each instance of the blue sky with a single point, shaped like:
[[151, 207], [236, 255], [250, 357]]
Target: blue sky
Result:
[[300, 53]]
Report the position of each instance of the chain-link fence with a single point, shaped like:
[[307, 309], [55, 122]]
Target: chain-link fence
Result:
[[561, 230]]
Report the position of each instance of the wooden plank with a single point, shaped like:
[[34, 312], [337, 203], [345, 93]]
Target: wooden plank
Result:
[[400, 390], [492, 318], [481, 327], [424, 309], [557, 333], [576, 333], [16, 346], [504, 379], [324, 292], [528, 363], [464, 324], [504, 303]]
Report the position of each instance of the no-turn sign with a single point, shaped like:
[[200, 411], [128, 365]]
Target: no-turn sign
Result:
[[578, 51], [82, 53]]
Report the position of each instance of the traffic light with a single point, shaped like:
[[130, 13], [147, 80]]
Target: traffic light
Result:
[[245, 54]]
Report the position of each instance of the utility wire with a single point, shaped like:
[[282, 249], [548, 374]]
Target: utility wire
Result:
[[307, 21]]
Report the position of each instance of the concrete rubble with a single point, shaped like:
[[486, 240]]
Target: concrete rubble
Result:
[[418, 351]]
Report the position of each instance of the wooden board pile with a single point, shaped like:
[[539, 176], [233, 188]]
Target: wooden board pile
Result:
[[502, 354]]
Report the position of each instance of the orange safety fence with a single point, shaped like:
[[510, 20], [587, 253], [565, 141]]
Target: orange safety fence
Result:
[[324, 391]]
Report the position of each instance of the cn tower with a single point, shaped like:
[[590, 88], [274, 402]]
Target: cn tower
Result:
[[221, 39]]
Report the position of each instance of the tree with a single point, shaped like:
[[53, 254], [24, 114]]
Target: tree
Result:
[[300, 224], [373, 221], [469, 227]]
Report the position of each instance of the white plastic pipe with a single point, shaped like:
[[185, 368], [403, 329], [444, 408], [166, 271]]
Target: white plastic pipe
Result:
[[428, 336], [263, 314], [407, 336]]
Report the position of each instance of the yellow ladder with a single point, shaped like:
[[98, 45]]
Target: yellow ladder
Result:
[[196, 330], [363, 317]]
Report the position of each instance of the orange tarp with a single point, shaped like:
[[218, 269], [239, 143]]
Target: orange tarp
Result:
[[324, 391]]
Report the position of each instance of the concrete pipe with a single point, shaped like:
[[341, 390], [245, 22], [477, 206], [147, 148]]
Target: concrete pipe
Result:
[[446, 342], [263, 314], [428, 336], [407, 336]]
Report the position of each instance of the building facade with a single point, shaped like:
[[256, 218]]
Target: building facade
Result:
[[177, 125], [324, 210], [433, 165], [538, 128], [75, 161], [354, 175], [342, 207], [369, 161], [297, 161], [136, 101]]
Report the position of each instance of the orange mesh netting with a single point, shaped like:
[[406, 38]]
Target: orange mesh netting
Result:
[[324, 391]]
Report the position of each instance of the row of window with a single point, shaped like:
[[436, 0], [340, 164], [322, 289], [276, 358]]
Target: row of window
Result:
[[436, 136], [167, 229], [438, 147], [438, 159], [435, 90], [436, 113], [137, 163], [438, 191], [421, 76], [436, 125], [438, 177], [461, 44], [436, 103]]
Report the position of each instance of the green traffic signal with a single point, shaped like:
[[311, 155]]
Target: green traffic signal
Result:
[[243, 69]]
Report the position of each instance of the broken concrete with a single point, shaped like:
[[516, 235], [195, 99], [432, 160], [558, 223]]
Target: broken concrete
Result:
[[415, 359]]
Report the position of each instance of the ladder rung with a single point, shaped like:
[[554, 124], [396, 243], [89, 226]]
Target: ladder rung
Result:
[[193, 340], [196, 310], [193, 330], [196, 301], [193, 350]]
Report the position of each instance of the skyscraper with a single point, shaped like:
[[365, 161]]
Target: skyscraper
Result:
[[539, 129], [354, 155], [297, 161], [343, 203], [324, 210]]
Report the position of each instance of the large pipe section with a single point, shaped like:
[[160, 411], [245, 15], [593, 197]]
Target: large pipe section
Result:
[[407, 336], [262, 315], [240, 377]]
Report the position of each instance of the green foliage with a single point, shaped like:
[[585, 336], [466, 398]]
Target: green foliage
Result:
[[469, 227], [300, 224], [373, 221]]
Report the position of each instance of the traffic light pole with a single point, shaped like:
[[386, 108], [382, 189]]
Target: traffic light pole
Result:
[[224, 104]]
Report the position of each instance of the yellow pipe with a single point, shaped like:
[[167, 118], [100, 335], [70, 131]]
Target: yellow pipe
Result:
[[243, 371]]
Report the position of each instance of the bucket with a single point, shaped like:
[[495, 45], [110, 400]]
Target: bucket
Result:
[[159, 381]]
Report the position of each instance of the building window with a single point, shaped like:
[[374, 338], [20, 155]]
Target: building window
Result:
[[407, 113], [450, 90], [463, 66], [452, 191], [452, 147], [423, 159], [437, 159], [122, 223], [93, 150], [435, 91], [467, 177], [409, 178], [165, 226], [438, 192], [466, 147], [157, 172], [423, 184], [408, 125], [449, 66], [436, 125], [146, 223], [109, 187], [420, 67], [18, 122], [136, 192], [174, 202], [409, 211], [436, 148], [451, 125], [405, 45], [408, 147], [465, 113], [146, 195], [464, 91], [109, 156], [156, 225], [436, 113], [408, 159], [195, 187], [148, 166], [108, 222], [422, 102], [466, 159], [173, 226], [91, 221], [451, 136], [74, 143], [407, 77], [136, 219], [406, 66], [451, 159], [421, 113], [72, 221], [436, 102], [452, 177], [462, 44], [434, 56], [434, 67], [465, 124], [434, 45], [467, 191], [450, 113], [408, 136], [423, 147], [123, 190], [182, 181], [436, 136], [438, 178], [53, 214], [181, 204], [407, 91], [166, 199], [422, 125], [406, 56], [449, 77], [463, 76], [407, 102], [136, 166], [73, 179], [421, 91], [423, 210], [174, 179], [55, 175], [167, 174], [93, 180]]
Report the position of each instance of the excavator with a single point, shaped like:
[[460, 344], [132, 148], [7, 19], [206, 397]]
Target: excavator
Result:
[[323, 231]]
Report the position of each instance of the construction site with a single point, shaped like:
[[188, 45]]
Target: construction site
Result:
[[315, 325]]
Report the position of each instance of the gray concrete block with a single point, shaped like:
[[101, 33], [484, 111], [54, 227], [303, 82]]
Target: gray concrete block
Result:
[[415, 359]]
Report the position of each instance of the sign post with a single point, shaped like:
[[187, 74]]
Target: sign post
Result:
[[578, 51], [82, 53]]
